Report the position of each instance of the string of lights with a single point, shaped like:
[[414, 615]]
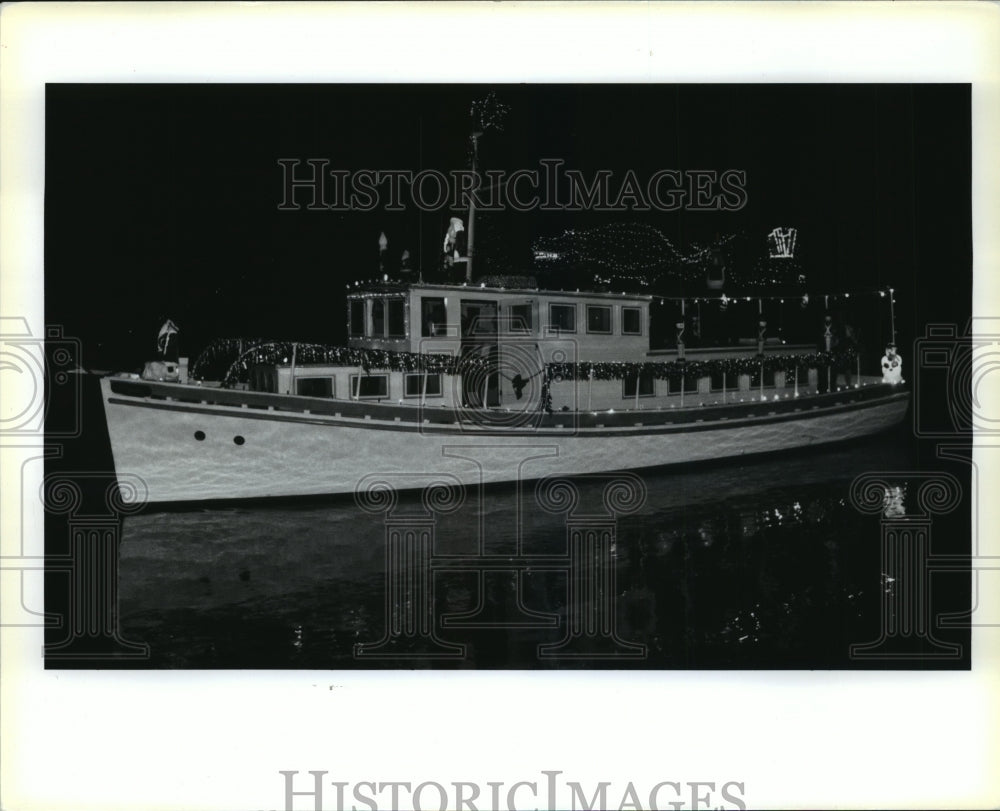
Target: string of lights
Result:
[[244, 354], [694, 369], [375, 287], [274, 352], [630, 247], [805, 299], [634, 253]]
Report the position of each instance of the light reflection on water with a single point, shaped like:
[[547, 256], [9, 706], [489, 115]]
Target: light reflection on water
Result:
[[756, 564]]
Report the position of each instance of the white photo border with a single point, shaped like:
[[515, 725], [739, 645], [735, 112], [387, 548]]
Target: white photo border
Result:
[[217, 740]]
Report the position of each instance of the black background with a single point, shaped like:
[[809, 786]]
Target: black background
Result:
[[162, 200]]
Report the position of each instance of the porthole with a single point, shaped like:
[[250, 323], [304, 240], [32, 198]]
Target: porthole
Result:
[[238, 439], [199, 435]]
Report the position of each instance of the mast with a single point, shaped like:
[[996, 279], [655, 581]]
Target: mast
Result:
[[472, 211]]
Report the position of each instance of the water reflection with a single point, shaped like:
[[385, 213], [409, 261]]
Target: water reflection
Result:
[[762, 564]]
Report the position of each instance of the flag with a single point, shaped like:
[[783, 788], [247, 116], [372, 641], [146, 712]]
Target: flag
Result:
[[455, 227], [168, 329]]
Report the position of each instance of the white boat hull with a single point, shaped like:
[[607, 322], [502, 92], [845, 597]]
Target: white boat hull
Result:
[[296, 452]]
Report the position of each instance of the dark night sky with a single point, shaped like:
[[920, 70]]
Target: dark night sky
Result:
[[162, 200]]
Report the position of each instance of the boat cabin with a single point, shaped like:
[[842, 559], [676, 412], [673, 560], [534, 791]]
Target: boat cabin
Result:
[[502, 340], [428, 318]]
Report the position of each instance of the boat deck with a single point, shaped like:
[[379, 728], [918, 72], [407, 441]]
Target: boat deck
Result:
[[695, 414]]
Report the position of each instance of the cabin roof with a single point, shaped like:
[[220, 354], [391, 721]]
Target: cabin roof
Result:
[[474, 288]]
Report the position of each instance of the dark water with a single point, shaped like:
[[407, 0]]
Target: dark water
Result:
[[756, 563], [759, 564]]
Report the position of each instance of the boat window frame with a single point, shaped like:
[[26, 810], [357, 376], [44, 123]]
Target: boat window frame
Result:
[[768, 376], [638, 312], [331, 379], [491, 321], [389, 302], [555, 327], [611, 319], [690, 384], [374, 333], [518, 330], [377, 376], [356, 330], [629, 393], [424, 325], [727, 376], [420, 375]]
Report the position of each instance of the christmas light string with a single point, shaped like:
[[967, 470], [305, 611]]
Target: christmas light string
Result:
[[804, 299], [693, 369], [270, 353], [607, 246], [375, 287], [243, 354], [638, 253]]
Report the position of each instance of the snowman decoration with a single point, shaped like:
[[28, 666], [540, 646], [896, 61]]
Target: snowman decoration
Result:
[[892, 365]]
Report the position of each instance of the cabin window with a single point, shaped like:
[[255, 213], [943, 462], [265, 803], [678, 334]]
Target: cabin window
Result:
[[479, 317], [728, 380], [520, 318], [433, 317], [314, 386], [369, 386], [755, 377], [689, 384], [357, 318], [647, 388], [631, 321], [397, 318], [562, 317], [599, 319], [413, 385], [378, 318]]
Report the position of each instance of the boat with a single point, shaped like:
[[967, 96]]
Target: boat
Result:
[[469, 383]]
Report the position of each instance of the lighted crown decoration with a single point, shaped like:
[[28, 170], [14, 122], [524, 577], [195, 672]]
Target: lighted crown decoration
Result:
[[781, 243]]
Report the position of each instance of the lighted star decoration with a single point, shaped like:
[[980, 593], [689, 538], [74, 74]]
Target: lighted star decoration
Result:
[[488, 113]]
